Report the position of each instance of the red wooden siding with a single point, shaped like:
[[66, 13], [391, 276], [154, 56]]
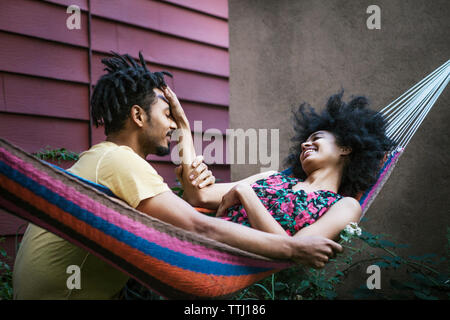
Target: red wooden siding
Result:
[[218, 8], [165, 18], [41, 20], [32, 133], [45, 72], [159, 48], [31, 56], [44, 97]]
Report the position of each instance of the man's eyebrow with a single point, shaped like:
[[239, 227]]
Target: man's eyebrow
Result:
[[163, 98]]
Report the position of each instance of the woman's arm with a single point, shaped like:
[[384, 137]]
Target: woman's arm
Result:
[[334, 220], [211, 196], [258, 215]]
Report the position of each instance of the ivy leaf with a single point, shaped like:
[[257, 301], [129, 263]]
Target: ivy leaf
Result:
[[280, 286], [423, 296], [303, 286], [420, 278], [330, 294], [382, 264], [386, 243]]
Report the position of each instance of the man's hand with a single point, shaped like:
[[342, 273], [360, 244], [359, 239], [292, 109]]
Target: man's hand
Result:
[[176, 110], [198, 175], [314, 251]]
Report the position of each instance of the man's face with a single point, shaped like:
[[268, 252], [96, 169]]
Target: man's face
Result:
[[158, 130]]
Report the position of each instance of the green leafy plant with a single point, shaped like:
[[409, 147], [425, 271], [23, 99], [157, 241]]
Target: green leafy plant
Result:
[[61, 154], [424, 280], [6, 289]]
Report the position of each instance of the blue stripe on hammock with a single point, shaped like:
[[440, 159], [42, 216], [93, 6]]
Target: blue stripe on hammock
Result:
[[164, 254]]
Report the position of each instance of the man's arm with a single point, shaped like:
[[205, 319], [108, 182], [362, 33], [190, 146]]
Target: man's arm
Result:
[[211, 196], [310, 251]]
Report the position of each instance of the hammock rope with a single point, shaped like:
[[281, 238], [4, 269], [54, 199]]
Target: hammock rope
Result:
[[404, 116], [173, 262]]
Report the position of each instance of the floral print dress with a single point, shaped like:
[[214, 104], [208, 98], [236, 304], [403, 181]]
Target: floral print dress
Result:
[[293, 210]]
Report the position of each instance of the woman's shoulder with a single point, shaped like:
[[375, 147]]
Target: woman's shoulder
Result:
[[350, 204]]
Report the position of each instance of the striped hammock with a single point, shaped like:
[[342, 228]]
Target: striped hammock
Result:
[[173, 262]]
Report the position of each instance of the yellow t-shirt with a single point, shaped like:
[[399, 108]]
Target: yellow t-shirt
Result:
[[40, 269]]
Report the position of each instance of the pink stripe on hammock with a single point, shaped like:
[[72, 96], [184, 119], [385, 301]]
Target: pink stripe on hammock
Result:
[[380, 182], [146, 232]]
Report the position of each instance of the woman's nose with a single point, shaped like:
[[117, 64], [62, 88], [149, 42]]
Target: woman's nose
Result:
[[305, 145]]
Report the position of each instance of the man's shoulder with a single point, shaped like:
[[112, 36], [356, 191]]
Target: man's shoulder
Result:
[[124, 157]]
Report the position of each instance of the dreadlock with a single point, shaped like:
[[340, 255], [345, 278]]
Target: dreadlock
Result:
[[125, 84], [354, 126]]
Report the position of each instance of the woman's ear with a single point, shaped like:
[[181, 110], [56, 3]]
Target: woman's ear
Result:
[[345, 151]]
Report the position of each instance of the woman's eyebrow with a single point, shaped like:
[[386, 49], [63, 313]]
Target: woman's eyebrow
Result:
[[314, 134]]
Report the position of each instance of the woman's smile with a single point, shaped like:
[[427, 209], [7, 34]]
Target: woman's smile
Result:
[[307, 153]]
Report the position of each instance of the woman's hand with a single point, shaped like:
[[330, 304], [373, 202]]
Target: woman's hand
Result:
[[232, 198], [198, 174]]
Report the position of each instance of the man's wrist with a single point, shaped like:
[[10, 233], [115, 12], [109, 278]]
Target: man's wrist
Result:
[[183, 124]]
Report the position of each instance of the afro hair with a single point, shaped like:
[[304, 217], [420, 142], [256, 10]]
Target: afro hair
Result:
[[354, 126]]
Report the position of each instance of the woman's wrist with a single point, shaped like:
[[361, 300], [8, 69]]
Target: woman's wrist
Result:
[[244, 190]]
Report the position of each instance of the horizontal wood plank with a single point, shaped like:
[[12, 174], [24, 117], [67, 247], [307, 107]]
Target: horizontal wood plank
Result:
[[2, 93], [30, 95], [211, 117], [83, 4], [25, 55], [43, 20], [187, 85], [218, 8], [158, 48], [11, 225], [33, 133], [164, 18]]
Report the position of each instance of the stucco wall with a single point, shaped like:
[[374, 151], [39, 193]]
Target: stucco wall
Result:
[[284, 52]]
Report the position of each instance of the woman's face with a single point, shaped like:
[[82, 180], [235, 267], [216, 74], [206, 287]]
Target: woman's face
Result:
[[321, 150]]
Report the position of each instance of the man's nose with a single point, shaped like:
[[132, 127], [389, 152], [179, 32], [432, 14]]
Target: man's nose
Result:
[[173, 124]]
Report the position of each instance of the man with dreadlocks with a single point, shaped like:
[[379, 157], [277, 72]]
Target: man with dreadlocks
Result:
[[139, 113]]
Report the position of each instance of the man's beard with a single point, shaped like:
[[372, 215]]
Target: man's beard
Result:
[[162, 151]]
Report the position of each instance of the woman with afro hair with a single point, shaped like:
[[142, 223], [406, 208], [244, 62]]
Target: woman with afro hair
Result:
[[336, 154]]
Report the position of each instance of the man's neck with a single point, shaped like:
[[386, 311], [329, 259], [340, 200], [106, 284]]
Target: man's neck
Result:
[[129, 140]]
